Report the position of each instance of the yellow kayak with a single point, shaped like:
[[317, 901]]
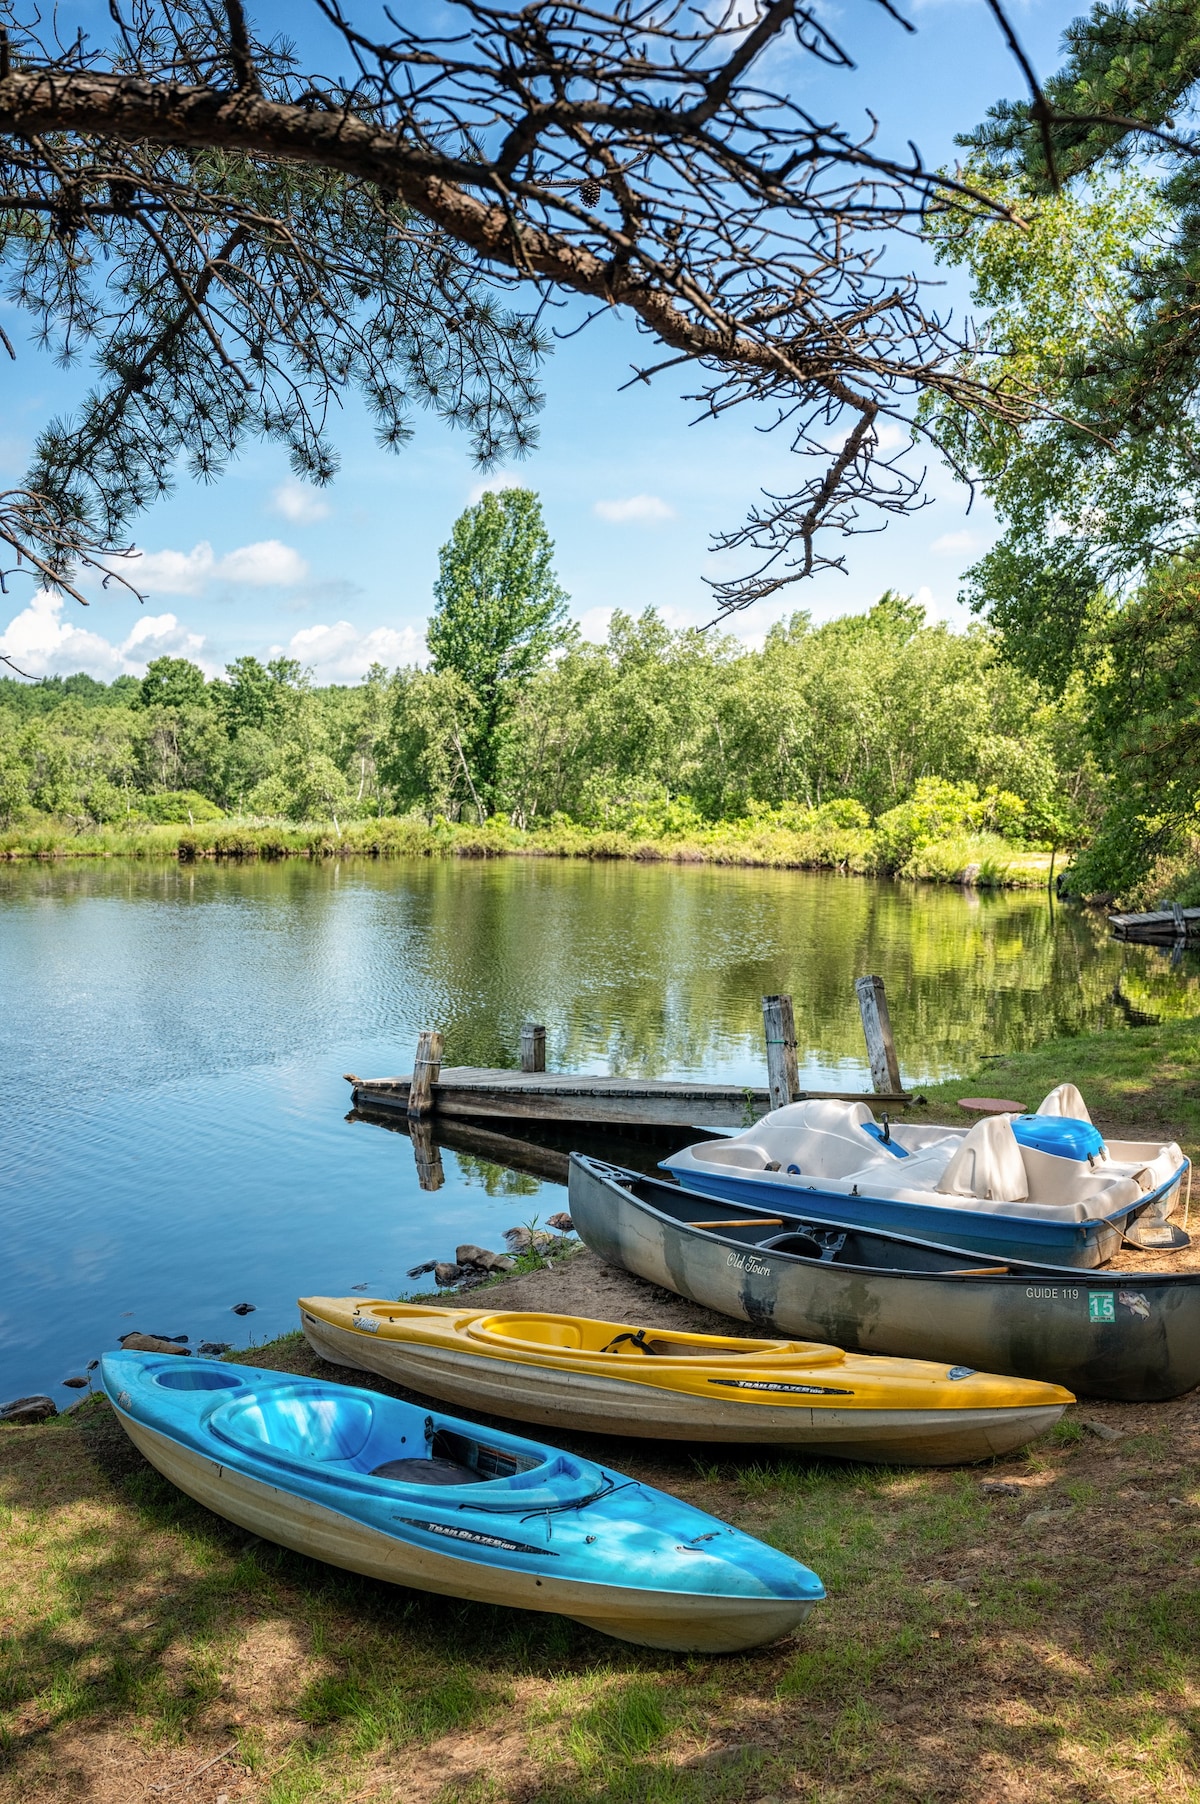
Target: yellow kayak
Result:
[[567, 1371]]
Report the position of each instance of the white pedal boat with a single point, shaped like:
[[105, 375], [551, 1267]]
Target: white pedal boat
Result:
[[1046, 1187]]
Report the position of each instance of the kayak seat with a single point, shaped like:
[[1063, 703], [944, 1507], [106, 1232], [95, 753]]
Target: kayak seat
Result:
[[432, 1471], [549, 1330], [323, 1429], [635, 1343]]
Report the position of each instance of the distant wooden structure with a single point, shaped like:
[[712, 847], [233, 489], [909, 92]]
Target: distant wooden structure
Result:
[[1161, 927], [466, 1093]]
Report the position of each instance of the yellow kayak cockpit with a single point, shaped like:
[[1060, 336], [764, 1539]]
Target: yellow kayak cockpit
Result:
[[616, 1340]]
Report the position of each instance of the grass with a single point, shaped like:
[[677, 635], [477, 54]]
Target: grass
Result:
[[1138, 1081], [959, 1654], [991, 861]]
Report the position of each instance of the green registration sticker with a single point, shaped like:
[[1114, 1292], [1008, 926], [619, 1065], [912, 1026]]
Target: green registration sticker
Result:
[[1102, 1306]]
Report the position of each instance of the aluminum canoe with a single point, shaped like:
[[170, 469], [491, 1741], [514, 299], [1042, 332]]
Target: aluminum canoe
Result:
[[379, 1486], [1128, 1335]]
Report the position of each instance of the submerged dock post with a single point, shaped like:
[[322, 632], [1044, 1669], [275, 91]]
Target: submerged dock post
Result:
[[877, 1029], [427, 1067], [779, 1027], [533, 1047]]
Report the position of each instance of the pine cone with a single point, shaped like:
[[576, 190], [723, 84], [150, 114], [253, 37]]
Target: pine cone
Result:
[[589, 192]]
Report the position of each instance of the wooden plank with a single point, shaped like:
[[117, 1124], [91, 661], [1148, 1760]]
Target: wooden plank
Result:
[[751, 1221], [426, 1069], [665, 1109], [533, 1047], [877, 1027], [779, 1030]]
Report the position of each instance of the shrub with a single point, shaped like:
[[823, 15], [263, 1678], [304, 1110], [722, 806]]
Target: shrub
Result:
[[174, 805], [938, 810]]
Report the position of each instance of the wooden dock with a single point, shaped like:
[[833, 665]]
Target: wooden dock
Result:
[[470, 1093], [1161, 927], [483, 1094]]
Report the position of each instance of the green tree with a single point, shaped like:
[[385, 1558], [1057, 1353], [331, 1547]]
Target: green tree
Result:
[[1091, 314], [254, 695], [424, 759], [172, 683], [500, 612]]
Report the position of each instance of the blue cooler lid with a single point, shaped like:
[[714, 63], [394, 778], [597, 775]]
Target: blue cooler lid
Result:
[[1058, 1134]]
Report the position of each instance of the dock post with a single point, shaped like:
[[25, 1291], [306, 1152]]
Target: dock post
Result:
[[779, 1027], [426, 1154], [533, 1047], [877, 1028], [427, 1068]]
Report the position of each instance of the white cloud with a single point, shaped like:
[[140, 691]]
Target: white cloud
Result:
[[341, 654], [946, 608], [170, 572], [891, 435], [594, 624], [493, 485], [41, 642], [268, 565], [300, 503], [956, 544], [634, 507]]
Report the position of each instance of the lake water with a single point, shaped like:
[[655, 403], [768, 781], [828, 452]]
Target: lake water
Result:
[[172, 1043]]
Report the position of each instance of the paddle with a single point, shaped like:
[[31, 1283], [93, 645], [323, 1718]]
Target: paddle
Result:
[[757, 1221]]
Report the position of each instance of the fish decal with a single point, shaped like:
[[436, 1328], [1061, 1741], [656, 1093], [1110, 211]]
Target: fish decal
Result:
[[1135, 1301]]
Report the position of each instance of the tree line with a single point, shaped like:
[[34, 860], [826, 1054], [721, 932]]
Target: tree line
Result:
[[517, 716]]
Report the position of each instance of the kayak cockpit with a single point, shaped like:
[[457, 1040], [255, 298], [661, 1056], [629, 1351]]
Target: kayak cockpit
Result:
[[354, 1437], [615, 1340]]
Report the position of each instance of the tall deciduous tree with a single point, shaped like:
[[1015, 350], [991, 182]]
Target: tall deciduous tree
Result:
[[500, 611]]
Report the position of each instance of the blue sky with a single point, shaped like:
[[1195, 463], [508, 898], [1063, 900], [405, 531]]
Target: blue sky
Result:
[[338, 577]]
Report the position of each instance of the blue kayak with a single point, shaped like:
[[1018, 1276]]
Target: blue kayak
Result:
[[385, 1488]]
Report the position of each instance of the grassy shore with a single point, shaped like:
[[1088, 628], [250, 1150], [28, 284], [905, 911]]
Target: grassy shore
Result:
[[1041, 1647], [983, 859]]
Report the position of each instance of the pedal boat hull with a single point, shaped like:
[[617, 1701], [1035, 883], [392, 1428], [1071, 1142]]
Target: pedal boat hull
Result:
[[828, 1162]]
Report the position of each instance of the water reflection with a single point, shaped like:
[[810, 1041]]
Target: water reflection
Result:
[[172, 1041]]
